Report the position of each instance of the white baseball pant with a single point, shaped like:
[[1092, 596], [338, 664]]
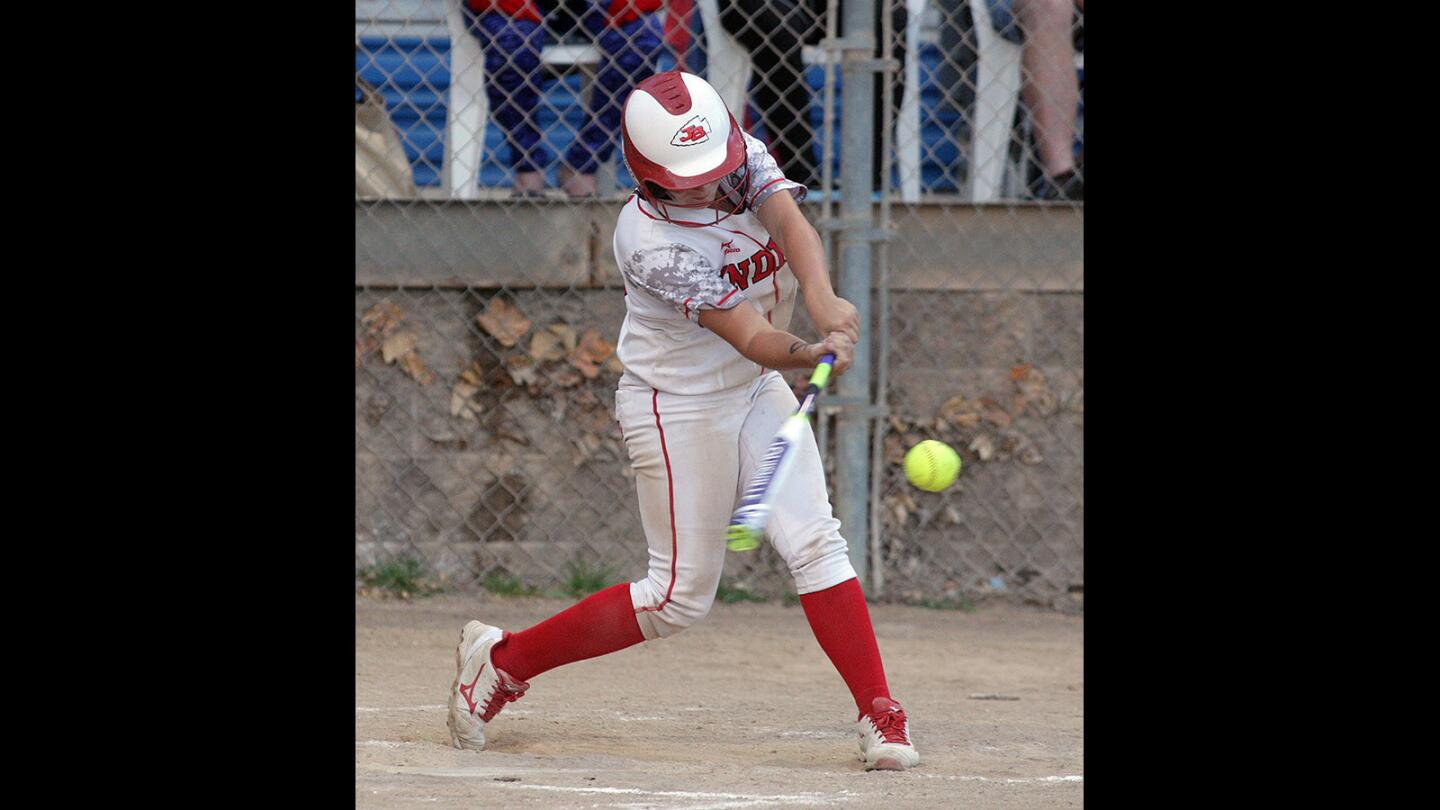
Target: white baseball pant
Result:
[[692, 455]]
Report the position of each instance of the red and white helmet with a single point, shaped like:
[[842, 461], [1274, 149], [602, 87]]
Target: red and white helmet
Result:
[[678, 134]]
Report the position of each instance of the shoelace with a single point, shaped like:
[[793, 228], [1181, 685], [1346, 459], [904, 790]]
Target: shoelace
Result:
[[891, 726], [501, 695]]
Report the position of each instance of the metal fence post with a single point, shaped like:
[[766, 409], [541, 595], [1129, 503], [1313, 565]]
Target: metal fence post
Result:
[[852, 468]]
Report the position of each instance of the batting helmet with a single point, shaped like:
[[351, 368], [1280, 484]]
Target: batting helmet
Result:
[[678, 135]]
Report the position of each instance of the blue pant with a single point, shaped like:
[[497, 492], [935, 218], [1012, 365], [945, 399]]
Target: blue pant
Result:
[[1002, 19], [514, 77], [628, 55]]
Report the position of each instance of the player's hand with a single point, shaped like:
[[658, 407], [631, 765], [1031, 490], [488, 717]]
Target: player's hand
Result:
[[831, 313], [838, 344]]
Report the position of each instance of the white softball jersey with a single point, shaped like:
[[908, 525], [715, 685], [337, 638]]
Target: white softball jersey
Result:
[[673, 272], [698, 416]]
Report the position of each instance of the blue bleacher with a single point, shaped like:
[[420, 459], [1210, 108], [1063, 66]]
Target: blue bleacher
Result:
[[413, 74]]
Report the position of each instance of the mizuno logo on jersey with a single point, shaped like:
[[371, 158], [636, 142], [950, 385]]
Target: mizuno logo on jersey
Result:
[[729, 247], [761, 265], [696, 130]]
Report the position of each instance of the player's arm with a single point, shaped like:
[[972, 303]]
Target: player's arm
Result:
[[805, 254], [743, 327]]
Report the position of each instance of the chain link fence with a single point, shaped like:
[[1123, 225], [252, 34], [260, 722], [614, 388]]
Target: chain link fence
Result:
[[488, 302]]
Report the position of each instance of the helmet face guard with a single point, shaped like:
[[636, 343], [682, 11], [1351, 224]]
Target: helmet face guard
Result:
[[731, 191], [678, 135]]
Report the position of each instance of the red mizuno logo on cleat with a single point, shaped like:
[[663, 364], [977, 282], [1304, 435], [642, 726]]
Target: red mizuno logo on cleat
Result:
[[696, 130], [468, 692]]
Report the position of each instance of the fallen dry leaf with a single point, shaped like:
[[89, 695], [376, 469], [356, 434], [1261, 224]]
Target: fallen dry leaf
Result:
[[522, 371], [503, 321], [546, 345], [585, 366], [566, 377], [594, 346], [382, 319], [900, 505], [960, 411], [398, 345], [460, 403], [992, 411], [585, 398], [1033, 390], [997, 417], [565, 333], [590, 353], [474, 375], [413, 366], [983, 446]]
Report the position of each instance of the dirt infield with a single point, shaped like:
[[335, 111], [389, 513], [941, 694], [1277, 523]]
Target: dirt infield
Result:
[[743, 710]]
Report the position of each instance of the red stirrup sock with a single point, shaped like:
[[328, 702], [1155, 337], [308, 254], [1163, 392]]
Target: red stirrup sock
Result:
[[840, 620], [601, 623]]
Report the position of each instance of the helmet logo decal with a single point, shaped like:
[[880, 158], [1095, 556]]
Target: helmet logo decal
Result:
[[696, 130]]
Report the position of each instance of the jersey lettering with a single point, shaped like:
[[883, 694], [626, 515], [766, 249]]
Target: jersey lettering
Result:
[[737, 274], [766, 262], [764, 265]]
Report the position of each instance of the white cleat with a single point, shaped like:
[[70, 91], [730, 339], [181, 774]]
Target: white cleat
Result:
[[480, 690], [885, 738]]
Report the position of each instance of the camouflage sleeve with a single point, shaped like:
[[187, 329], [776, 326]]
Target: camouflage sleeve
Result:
[[765, 175], [681, 277]]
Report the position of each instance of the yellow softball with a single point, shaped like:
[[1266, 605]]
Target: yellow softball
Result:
[[931, 465]]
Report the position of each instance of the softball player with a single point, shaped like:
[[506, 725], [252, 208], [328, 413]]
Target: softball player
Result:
[[712, 248]]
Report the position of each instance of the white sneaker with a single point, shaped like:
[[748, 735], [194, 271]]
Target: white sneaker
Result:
[[480, 690], [885, 738]]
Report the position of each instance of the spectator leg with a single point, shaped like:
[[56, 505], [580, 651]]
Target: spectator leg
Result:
[[774, 33], [627, 56], [512, 83], [1050, 90]]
